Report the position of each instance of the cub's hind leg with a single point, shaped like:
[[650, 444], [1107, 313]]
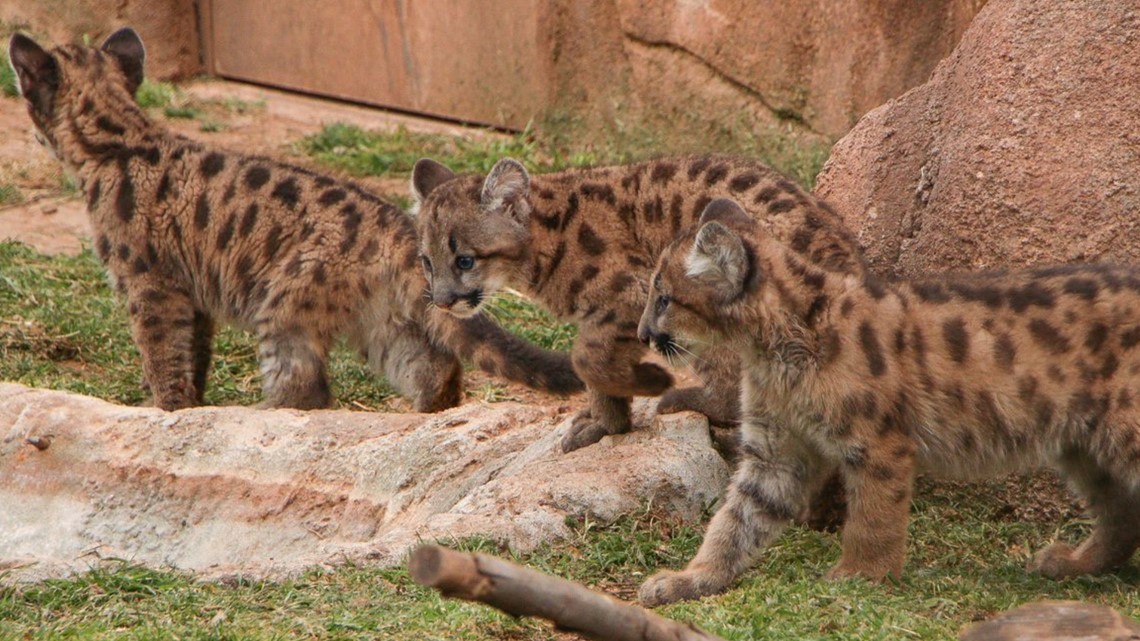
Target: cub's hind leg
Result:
[[878, 474], [718, 398], [768, 489], [163, 327], [1114, 502], [610, 365], [430, 376], [293, 362]]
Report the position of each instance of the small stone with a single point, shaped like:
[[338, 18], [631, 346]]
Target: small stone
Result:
[[41, 443]]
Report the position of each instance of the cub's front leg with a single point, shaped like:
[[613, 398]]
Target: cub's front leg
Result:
[[609, 362], [769, 488], [167, 330]]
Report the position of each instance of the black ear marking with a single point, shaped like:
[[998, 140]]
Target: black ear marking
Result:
[[727, 211], [36, 71], [428, 174], [127, 48]]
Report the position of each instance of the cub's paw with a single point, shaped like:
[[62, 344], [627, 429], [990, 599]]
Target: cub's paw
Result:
[[720, 412], [585, 430], [1056, 561], [843, 571], [668, 587]]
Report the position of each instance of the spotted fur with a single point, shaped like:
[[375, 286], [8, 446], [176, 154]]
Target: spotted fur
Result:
[[191, 235], [959, 376], [583, 243]]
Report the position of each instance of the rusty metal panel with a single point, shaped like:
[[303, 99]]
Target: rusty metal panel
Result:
[[482, 61]]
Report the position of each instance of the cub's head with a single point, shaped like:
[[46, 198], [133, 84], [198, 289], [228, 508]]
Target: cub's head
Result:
[[702, 281], [69, 81], [473, 231]]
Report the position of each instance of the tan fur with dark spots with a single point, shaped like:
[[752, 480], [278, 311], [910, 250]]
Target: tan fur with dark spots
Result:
[[583, 243], [956, 376], [192, 235]]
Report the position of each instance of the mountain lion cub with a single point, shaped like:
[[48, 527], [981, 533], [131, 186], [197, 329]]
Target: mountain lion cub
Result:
[[959, 376]]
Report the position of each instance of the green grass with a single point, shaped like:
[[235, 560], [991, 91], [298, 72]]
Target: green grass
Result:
[[961, 568], [173, 103], [524, 318], [154, 94], [373, 153], [184, 112], [8, 82], [10, 194], [632, 137]]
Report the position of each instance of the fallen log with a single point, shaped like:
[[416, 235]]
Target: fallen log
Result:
[[521, 591]]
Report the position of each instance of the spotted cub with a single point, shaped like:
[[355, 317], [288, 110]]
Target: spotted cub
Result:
[[958, 376], [583, 243], [192, 235]]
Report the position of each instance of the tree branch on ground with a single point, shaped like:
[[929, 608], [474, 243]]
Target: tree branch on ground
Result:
[[520, 591]]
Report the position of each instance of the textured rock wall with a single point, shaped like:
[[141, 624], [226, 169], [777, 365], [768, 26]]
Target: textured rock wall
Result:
[[815, 65], [1023, 148]]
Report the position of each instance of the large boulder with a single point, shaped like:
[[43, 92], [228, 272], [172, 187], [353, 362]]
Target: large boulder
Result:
[[1023, 148], [223, 490]]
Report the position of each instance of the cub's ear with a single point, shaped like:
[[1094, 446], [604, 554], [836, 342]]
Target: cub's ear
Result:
[[36, 71], [507, 185], [725, 211], [127, 48], [718, 258], [428, 174]]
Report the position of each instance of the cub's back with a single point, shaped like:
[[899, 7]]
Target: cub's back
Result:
[[249, 234], [645, 205], [1026, 362]]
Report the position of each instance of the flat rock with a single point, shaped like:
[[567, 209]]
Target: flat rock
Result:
[[266, 493], [1055, 621]]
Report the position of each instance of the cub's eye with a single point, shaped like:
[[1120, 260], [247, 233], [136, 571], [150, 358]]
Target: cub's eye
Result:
[[426, 263], [662, 303], [464, 263]]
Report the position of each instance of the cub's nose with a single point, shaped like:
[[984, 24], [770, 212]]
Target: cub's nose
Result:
[[643, 334], [444, 301]]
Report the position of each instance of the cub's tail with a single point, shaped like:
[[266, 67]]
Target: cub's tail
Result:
[[494, 350]]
